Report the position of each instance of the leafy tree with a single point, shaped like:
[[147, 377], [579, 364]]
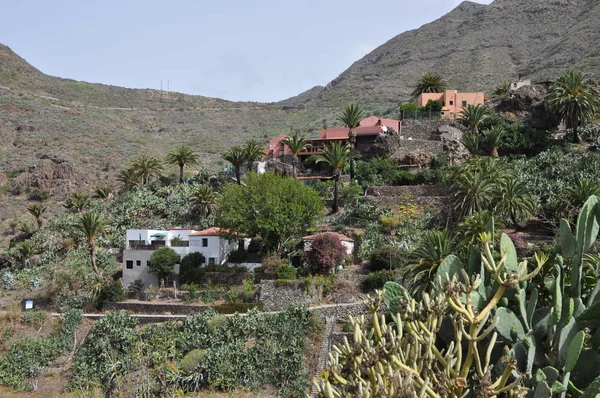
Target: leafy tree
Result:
[[253, 153], [430, 82], [502, 90], [286, 272], [493, 138], [78, 201], [190, 269], [434, 105], [270, 206], [351, 118], [473, 116], [146, 168], [236, 157], [408, 107], [91, 225], [326, 253], [182, 157], [574, 100], [296, 144], [514, 203], [204, 199], [336, 155], [104, 192], [38, 212], [163, 261]]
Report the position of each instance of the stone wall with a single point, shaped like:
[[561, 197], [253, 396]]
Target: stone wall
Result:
[[226, 278], [276, 295]]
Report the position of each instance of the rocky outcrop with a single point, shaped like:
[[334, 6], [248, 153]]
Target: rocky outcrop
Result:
[[528, 103], [51, 172]]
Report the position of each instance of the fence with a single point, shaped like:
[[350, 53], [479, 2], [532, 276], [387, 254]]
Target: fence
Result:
[[421, 115]]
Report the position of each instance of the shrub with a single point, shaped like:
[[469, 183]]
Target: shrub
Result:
[[190, 270], [237, 256], [425, 176], [176, 241], [285, 272], [38, 194], [376, 280], [385, 257], [404, 177], [271, 263], [351, 191], [192, 360], [162, 262], [135, 288], [326, 253], [111, 292]]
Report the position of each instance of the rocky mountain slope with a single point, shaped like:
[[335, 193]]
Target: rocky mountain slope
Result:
[[61, 135]]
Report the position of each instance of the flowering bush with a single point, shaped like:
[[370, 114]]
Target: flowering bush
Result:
[[326, 253]]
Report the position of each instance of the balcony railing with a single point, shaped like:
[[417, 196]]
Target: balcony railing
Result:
[[145, 247]]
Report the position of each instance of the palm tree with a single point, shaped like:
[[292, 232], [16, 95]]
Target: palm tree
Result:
[[574, 100], [92, 225], [473, 116], [336, 155], [78, 201], [577, 193], [430, 82], [236, 157], [103, 193], [471, 142], [493, 137], [26, 251], [128, 178], [351, 118], [514, 202], [37, 211], [296, 144], [502, 90], [253, 153], [182, 157], [204, 198], [472, 192], [146, 168]]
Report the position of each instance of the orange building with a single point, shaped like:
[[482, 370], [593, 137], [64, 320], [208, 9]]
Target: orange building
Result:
[[452, 101]]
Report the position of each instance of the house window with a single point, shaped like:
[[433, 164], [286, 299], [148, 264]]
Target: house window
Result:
[[129, 264], [464, 104], [212, 261], [204, 242], [138, 263], [451, 102]]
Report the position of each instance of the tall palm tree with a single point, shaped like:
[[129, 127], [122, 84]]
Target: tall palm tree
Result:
[[37, 211], [574, 100], [514, 202], [236, 157], [78, 201], [502, 90], [128, 178], [336, 155], [146, 168], [296, 144], [204, 198], [253, 153], [103, 193], [351, 118], [493, 137], [182, 157], [92, 225], [430, 82], [473, 116]]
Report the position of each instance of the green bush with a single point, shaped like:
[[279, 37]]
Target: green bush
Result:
[[385, 257], [286, 272], [425, 176], [404, 177], [351, 191], [190, 269], [163, 261], [111, 292], [237, 256], [376, 280], [192, 360]]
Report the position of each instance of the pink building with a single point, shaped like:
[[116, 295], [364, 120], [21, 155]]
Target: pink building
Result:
[[452, 101]]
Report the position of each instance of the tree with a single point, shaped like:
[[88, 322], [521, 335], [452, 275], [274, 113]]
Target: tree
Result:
[[38, 212], [472, 192], [513, 202], [473, 116], [163, 261], [103, 193], [203, 199], [146, 168], [190, 268], [351, 118], [574, 100], [78, 201], [296, 144], [236, 157], [471, 142], [502, 90], [434, 105], [336, 155], [270, 206], [25, 251], [128, 178], [182, 157], [326, 253], [253, 153], [91, 225], [493, 138], [430, 82]]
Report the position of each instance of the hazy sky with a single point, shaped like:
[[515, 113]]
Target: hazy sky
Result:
[[257, 50]]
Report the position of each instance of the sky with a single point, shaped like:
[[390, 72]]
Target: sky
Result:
[[240, 50]]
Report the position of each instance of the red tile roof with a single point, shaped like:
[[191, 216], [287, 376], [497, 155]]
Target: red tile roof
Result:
[[341, 237], [274, 146], [336, 133], [215, 231]]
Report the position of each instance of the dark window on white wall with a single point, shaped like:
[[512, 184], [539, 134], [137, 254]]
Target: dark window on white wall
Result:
[[129, 264], [138, 263], [212, 261], [204, 242]]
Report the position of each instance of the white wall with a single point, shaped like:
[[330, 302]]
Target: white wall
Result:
[[218, 247]]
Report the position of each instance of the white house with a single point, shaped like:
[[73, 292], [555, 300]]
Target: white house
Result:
[[347, 242], [214, 243], [519, 84]]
